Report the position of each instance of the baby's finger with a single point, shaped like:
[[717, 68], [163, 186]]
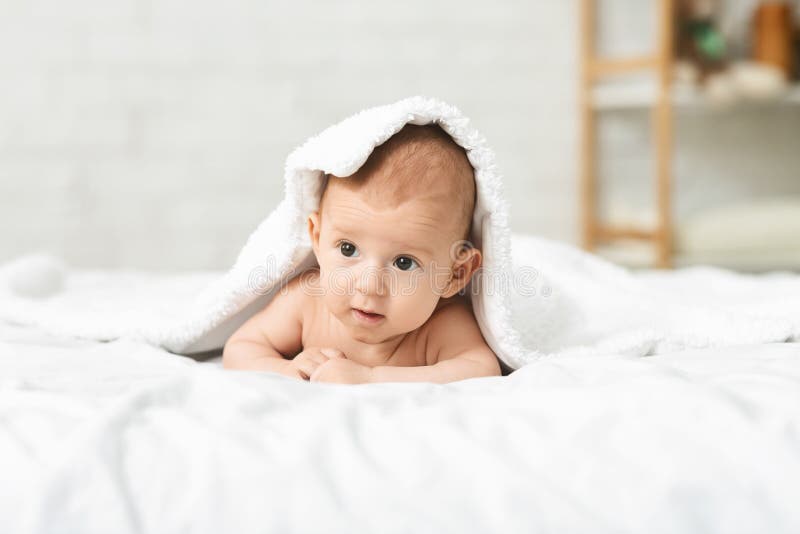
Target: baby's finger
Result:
[[313, 377], [332, 353], [306, 367], [314, 356], [294, 373], [316, 374]]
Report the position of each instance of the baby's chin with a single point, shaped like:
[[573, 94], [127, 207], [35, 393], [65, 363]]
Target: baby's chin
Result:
[[370, 337], [367, 333]]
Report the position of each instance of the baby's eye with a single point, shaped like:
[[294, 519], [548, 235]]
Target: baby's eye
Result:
[[348, 249], [404, 263]]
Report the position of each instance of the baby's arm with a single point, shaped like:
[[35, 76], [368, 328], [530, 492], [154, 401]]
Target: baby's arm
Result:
[[456, 346], [263, 340]]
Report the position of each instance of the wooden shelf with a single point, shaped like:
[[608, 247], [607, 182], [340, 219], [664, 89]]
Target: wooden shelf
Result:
[[645, 82], [611, 233], [597, 69], [642, 94], [600, 68], [636, 255]]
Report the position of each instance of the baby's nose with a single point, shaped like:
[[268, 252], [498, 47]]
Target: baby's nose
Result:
[[372, 280]]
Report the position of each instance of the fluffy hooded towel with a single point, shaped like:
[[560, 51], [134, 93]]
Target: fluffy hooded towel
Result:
[[280, 248], [533, 299]]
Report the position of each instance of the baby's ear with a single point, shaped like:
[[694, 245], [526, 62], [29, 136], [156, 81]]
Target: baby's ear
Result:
[[467, 262], [313, 230]]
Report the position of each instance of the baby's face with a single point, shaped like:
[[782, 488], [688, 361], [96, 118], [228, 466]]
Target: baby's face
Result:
[[393, 261]]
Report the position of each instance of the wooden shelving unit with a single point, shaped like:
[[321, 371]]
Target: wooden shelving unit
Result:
[[656, 93], [594, 69]]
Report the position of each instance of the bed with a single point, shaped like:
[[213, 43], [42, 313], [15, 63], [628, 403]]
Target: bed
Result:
[[655, 402], [122, 437]]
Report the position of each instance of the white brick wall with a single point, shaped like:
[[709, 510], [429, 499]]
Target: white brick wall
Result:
[[152, 134]]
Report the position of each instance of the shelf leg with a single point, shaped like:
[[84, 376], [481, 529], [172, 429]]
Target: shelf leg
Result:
[[663, 137], [588, 132]]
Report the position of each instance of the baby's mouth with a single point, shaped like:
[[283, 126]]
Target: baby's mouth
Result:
[[367, 317]]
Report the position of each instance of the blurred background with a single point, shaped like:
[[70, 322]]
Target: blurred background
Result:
[[152, 133]]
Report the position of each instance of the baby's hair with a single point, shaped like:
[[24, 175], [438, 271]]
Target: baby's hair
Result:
[[413, 162]]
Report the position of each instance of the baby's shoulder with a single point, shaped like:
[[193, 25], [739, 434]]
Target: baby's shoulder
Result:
[[451, 312], [299, 292], [305, 283], [452, 330]]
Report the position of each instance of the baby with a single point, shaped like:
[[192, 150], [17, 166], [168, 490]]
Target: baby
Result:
[[386, 303]]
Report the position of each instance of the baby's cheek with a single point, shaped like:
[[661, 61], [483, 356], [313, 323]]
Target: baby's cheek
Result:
[[418, 306], [404, 284], [436, 280], [338, 282]]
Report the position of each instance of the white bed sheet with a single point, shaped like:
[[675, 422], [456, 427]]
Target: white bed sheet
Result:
[[123, 437]]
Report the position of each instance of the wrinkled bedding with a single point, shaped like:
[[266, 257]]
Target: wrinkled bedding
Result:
[[124, 437]]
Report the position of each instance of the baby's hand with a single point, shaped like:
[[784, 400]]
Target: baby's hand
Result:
[[342, 371], [305, 363]]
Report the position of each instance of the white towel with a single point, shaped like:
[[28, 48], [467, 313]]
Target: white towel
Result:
[[280, 247], [545, 299]]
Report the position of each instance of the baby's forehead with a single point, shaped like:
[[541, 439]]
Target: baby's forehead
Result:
[[425, 207], [415, 220]]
